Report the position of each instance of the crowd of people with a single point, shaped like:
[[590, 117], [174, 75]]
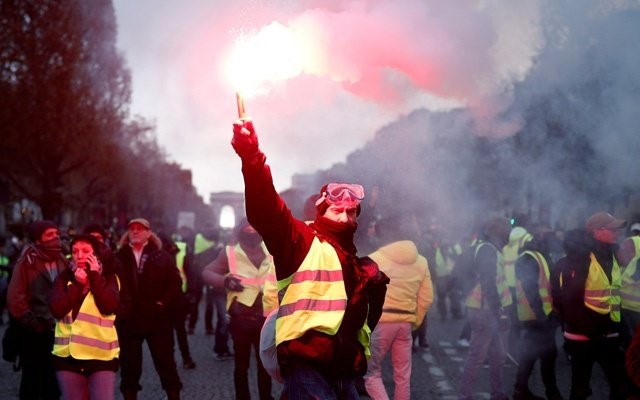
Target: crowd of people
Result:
[[317, 315]]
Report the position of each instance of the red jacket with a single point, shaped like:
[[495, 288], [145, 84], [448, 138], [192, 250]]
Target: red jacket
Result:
[[289, 240]]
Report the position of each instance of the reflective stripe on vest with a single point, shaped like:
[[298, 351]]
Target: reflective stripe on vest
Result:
[[600, 295], [525, 312], [91, 336], [252, 278], [630, 287], [314, 297], [474, 300]]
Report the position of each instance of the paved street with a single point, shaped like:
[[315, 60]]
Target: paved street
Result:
[[436, 371]]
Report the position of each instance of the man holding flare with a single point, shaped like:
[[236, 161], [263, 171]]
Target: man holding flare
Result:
[[330, 299]]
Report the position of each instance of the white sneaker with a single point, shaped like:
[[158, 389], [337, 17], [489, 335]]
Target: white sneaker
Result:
[[463, 343]]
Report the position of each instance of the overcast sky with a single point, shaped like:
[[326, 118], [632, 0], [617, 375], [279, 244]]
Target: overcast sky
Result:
[[366, 62]]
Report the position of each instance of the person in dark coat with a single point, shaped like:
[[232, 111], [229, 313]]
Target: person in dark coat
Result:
[[151, 278], [28, 303]]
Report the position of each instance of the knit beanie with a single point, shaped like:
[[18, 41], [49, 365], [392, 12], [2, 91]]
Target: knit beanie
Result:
[[37, 228]]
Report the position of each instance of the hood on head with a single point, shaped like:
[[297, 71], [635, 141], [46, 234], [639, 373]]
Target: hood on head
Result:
[[400, 252]]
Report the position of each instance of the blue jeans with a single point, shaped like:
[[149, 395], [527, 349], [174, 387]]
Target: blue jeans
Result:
[[488, 338], [306, 383], [98, 386]]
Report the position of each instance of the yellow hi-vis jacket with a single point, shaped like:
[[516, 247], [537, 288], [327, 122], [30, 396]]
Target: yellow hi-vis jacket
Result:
[[444, 263], [252, 278], [315, 297], [180, 256], [600, 295], [517, 239], [200, 243], [91, 336], [474, 300], [525, 312], [630, 287]]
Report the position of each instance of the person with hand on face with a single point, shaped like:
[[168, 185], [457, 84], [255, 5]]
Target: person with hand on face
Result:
[[242, 270], [84, 300], [331, 299], [28, 302]]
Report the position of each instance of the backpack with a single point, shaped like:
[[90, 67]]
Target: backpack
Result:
[[465, 273]]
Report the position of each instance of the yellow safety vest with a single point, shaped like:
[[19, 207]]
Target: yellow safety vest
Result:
[[91, 336], [444, 263], [510, 252], [315, 297], [200, 244], [252, 278], [600, 295], [182, 253], [525, 312], [630, 288], [474, 300]]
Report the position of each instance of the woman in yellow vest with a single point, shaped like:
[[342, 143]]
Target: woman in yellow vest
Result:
[[84, 301]]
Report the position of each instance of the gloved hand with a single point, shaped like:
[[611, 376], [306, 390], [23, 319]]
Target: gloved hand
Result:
[[233, 284], [245, 140]]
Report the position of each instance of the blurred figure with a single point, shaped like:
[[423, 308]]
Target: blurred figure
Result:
[[84, 300], [538, 322], [321, 350], [243, 270], [408, 298], [28, 302], [487, 306], [151, 278], [442, 256], [180, 305], [632, 361], [518, 238], [628, 256], [589, 305]]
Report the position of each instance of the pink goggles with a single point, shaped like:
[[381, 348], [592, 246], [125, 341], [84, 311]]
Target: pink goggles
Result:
[[340, 193]]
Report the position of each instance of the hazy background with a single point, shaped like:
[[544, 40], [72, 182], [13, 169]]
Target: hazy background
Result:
[[450, 106]]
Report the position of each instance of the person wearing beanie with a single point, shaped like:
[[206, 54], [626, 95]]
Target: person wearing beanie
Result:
[[41, 262], [331, 298], [588, 297], [84, 300], [243, 270]]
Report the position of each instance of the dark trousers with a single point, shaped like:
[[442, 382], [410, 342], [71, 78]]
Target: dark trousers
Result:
[[607, 353], [194, 305], [221, 344], [245, 332], [537, 343], [38, 380], [421, 333], [161, 349], [446, 288], [181, 335]]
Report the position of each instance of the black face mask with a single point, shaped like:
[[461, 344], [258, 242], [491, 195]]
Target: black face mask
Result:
[[249, 239], [51, 249]]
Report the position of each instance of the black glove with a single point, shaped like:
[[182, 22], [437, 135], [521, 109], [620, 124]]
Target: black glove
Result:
[[245, 140], [233, 284]]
